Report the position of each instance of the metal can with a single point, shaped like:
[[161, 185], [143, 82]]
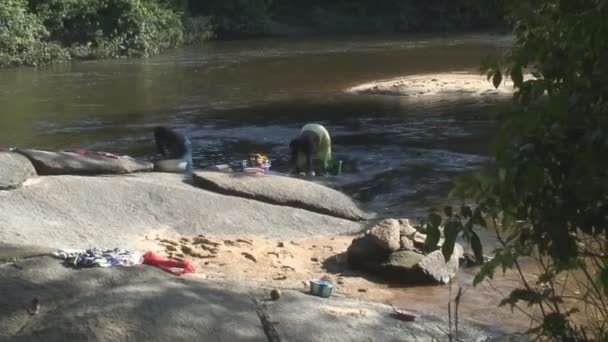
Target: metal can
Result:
[[244, 164]]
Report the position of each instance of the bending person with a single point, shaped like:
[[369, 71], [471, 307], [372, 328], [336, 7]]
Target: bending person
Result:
[[173, 145], [314, 140]]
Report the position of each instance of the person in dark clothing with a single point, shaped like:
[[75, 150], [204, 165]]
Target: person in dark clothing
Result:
[[173, 145]]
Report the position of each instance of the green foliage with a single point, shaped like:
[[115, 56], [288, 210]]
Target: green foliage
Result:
[[110, 28], [546, 195], [23, 38]]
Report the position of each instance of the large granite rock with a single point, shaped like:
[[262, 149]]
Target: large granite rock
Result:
[[143, 303], [282, 190], [14, 170], [120, 210], [71, 163]]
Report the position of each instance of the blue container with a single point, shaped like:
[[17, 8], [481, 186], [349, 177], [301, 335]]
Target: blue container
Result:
[[321, 288]]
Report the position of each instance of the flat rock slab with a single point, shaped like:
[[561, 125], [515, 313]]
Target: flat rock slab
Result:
[[282, 190], [120, 210], [14, 170], [143, 303], [71, 163]]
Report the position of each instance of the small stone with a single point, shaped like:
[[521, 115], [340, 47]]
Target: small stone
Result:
[[362, 290], [407, 244], [280, 244], [315, 259], [419, 239], [387, 234], [275, 294], [406, 228]]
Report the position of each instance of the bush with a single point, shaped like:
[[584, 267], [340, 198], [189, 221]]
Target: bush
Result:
[[110, 28], [23, 37], [546, 195]]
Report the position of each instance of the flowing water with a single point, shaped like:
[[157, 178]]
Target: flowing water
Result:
[[233, 98]]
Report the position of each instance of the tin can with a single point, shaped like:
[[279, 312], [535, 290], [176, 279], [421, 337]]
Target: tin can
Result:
[[321, 288]]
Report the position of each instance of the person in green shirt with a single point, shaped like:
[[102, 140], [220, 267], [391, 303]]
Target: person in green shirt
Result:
[[313, 140]]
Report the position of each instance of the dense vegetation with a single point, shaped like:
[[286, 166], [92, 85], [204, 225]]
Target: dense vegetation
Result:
[[34, 32], [546, 195]]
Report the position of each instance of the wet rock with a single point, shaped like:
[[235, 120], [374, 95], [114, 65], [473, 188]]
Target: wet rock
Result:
[[71, 163], [406, 228], [14, 170], [387, 235], [282, 190]]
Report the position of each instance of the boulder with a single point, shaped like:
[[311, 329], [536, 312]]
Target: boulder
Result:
[[72, 163], [120, 210], [387, 235], [365, 254], [282, 190], [143, 303], [435, 266], [413, 267], [14, 170]]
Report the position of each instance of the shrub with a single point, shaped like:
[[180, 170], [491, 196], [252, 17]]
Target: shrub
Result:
[[110, 28], [23, 37]]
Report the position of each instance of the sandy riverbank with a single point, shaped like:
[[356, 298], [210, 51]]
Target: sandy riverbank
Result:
[[455, 85]]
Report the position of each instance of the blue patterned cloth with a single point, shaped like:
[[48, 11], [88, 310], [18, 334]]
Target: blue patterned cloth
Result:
[[97, 257]]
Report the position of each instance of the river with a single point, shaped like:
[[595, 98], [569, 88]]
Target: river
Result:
[[236, 97]]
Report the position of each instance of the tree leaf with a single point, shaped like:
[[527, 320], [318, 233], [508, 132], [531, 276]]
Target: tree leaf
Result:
[[477, 248], [450, 233], [530, 297], [497, 79], [432, 234], [517, 76]]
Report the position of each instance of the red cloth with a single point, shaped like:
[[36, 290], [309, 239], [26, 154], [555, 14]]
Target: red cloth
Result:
[[172, 266]]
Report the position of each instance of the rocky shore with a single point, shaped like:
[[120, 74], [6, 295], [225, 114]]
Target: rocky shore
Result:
[[265, 230]]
